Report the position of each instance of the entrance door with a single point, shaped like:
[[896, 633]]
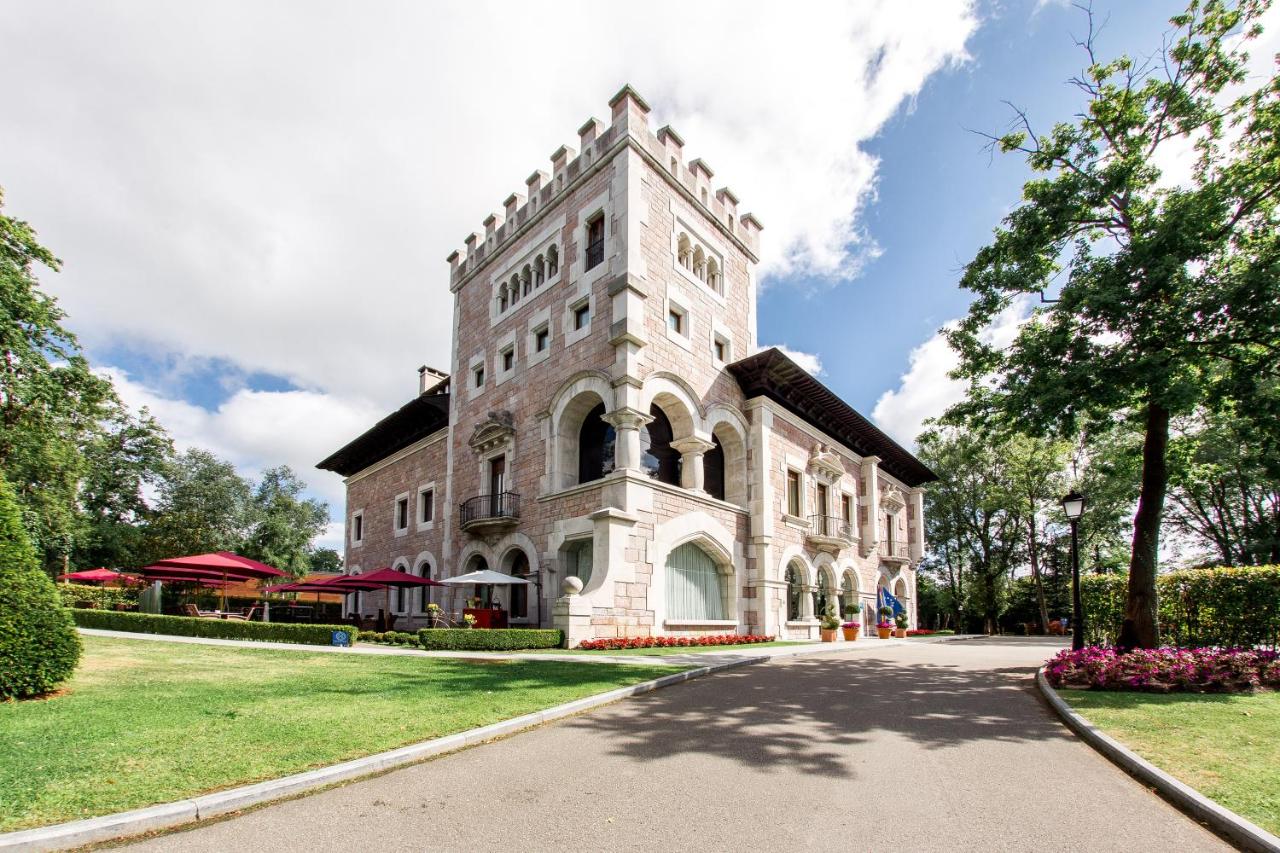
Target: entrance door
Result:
[[497, 484], [823, 510]]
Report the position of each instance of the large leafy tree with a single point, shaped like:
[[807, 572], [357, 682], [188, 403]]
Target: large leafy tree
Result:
[[203, 506], [284, 523], [1167, 294]]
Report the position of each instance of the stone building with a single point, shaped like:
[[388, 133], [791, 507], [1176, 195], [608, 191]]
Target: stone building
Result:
[[606, 415]]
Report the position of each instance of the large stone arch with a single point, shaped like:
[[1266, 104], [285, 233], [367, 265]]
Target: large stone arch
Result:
[[570, 405], [506, 549], [677, 401], [701, 529], [793, 556], [396, 597], [425, 565], [726, 425]]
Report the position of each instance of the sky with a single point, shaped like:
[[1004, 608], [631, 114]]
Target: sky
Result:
[[253, 202]]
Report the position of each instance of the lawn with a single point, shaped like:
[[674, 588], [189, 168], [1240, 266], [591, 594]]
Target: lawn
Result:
[[145, 722], [662, 652], [1227, 747]]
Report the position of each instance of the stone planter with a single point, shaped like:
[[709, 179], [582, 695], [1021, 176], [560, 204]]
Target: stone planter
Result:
[[850, 634], [884, 633], [828, 634], [900, 632]]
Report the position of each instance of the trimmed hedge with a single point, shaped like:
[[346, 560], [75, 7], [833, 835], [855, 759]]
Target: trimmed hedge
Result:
[[225, 629], [105, 597], [1224, 607], [489, 639], [39, 646]]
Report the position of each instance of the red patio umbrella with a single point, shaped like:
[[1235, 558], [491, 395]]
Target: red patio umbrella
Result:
[[223, 563], [97, 576], [384, 578]]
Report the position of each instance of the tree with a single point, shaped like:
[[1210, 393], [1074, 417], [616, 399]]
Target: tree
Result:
[[1036, 473], [203, 506], [326, 560], [1167, 296], [283, 523]]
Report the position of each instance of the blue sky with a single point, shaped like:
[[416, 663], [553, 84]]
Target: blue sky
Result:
[[253, 203]]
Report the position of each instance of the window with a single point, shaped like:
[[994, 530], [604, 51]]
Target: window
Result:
[[846, 510], [582, 316], [402, 513], [577, 560], [684, 252], [658, 458], [357, 528], [426, 506], [595, 446], [888, 531], [794, 612], [541, 339], [518, 605], [479, 376], [424, 570], [553, 261], [502, 299], [539, 271], [675, 321], [509, 359], [793, 493], [526, 278], [595, 240], [515, 289], [694, 590], [721, 350], [713, 469]]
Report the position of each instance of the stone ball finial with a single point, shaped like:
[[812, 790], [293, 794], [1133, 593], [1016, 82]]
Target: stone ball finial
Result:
[[570, 585]]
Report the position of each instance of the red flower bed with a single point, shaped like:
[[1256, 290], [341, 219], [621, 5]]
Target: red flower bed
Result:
[[920, 632], [1166, 670], [614, 643]]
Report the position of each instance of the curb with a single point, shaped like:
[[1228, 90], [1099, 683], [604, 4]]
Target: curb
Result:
[[170, 815], [1223, 821]]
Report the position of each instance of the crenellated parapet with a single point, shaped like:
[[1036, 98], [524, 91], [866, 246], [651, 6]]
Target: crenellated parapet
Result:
[[629, 123]]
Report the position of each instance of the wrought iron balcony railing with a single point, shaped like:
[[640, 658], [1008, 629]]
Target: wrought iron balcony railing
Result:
[[896, 550], [830, 527], [498, 507]]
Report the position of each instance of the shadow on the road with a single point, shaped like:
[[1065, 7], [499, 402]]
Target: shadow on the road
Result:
[[805, 712]]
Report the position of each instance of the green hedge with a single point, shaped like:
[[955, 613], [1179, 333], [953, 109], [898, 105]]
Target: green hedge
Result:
[[1197, 607], [490, 639], [105, 597], [190, 626]]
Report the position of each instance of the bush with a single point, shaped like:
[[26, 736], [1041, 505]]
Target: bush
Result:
[[39, 646], [614, 643], [490, 639], [191, 626], [1226, 607], [105, 597], [1165, 670]]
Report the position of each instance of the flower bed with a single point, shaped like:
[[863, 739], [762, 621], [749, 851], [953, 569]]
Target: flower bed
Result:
[[1165, 670], [612, 643], [927, 632]]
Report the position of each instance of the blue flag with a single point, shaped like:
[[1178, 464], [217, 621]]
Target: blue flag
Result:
[[888, 599]]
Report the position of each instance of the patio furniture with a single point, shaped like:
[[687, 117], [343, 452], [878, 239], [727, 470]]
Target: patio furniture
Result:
[[223, 565], [192, 610], [487, 617]]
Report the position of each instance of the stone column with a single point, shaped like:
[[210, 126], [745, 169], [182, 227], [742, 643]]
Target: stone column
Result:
[[871, 527], [626, 423], [572, 613], [691, 450]]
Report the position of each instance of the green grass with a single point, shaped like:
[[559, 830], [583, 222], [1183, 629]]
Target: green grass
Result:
[[663, 652], [145, 722], [1227, 747]]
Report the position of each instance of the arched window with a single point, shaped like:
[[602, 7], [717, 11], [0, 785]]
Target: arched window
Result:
[[527, 278], [713, 274], [694, 585], [848, 599], [822, 594], [539, 271], [515, 289], [713, 469], [595, 446], [700, 263], [502, 298], [794, 610], [577, 559], [424, 597], [518, 606], [684, 252], [657, 457], [478, 563], [553, 261]]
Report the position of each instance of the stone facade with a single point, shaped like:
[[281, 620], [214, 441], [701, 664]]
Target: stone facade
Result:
[[594, 418]]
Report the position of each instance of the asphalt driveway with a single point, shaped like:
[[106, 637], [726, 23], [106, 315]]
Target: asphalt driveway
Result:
[[912, 747]]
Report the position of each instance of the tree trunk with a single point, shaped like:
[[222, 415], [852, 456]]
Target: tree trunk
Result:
[[1033, 551], [1141, 630]]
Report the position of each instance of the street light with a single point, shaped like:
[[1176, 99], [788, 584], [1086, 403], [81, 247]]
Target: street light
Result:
[[1073, 506]]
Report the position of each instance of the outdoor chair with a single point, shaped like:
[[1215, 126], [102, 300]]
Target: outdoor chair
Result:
[[242, 617], [192, 610]]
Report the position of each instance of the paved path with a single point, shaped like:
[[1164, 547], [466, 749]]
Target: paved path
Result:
[[911, 747]]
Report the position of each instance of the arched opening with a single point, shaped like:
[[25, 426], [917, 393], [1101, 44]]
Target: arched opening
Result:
[[658, 458], [503, 301], [526, 276], [713, 274], [518, 606], [795, 593], [515, 289], [700, 263], [684, 252], [423, 569], [730, 453], [900, 593], [539, 271], [848, 598], [596, 441], [553, 261], [695, 586], [576, 557], [402, 593], [713, 469], [484, 593], [823, 593]]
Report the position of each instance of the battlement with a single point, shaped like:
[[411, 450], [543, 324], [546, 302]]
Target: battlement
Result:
[[629, 118]]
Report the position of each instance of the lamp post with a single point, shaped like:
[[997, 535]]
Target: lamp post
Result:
[[1073, 507]]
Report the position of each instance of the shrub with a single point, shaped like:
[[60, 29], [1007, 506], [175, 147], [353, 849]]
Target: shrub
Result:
[[105, 597], [191, 626], [615, 643], [1227, 607], [1166, 669], [490, 639], [39, 646]]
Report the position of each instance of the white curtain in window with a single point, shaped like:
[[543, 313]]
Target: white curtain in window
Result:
[[693, 585]]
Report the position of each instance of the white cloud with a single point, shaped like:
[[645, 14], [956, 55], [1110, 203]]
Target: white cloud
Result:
[[278, 184], [927, 390], [810, 361]]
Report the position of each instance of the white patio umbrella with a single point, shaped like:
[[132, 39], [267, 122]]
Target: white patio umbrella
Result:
[[485, 577]]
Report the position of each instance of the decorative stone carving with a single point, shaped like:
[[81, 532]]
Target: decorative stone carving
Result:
[[495, 431], [825, 464], [892, 500]]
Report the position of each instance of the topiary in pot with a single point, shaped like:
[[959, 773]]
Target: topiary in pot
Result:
[[39, 646]]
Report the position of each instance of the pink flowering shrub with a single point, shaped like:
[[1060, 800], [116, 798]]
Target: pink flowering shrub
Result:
[[664, 642], [1166, 669]]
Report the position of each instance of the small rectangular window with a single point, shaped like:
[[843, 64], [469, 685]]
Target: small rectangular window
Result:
[[479, 377], [675, 321], [542, 339], [793, 493], [595, 240], [582, 316], [402, 513], [357, 528], [427, 503], [508, 359], [846, 509], [722, 350]]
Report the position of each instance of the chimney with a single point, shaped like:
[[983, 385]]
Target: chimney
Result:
[[428, 378]]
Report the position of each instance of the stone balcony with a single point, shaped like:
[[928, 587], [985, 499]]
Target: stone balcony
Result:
[[894, 552], [494, 513], [829, 533]]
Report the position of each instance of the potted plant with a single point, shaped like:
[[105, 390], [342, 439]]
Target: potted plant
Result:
[[433, 614], [469, 620], [901, 622], [884, 628], [850, 625], [828, 625]]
